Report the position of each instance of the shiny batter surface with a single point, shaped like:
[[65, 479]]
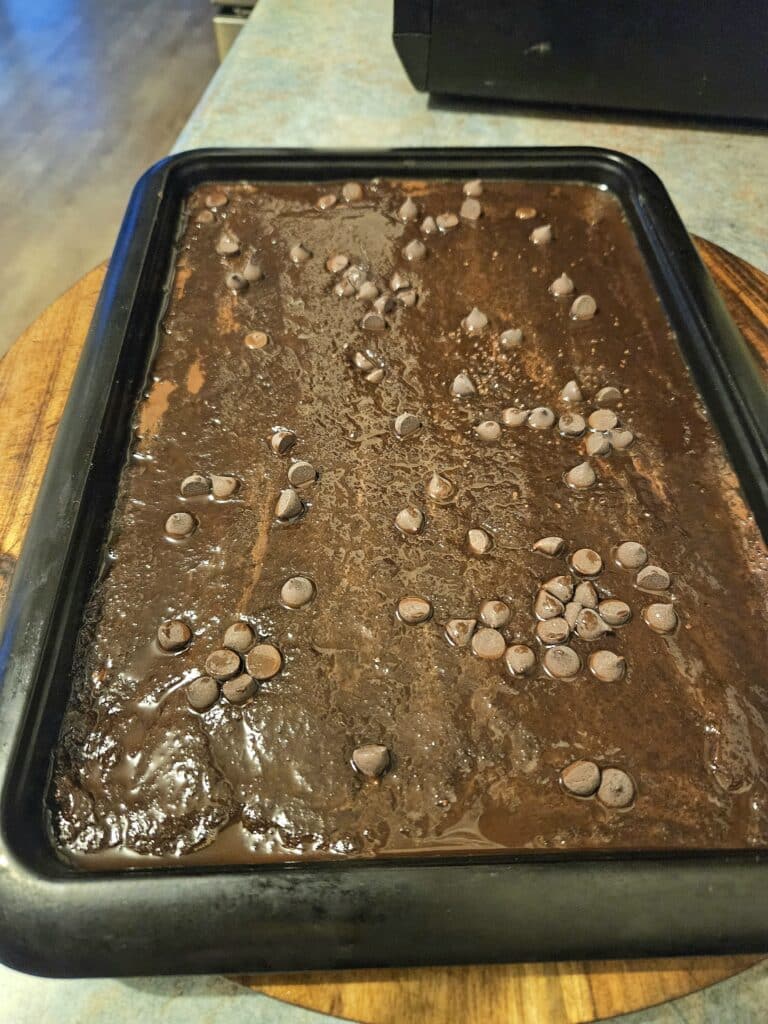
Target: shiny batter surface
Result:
[[475, 753]]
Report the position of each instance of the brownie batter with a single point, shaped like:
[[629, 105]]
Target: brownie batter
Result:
[[425, 543]]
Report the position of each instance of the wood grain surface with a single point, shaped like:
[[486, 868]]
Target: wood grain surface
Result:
[[35, 377]]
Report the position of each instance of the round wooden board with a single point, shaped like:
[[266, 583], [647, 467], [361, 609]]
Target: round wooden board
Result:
[[35, 377]]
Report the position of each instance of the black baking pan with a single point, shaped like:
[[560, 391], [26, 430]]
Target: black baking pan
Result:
[[59, 920]]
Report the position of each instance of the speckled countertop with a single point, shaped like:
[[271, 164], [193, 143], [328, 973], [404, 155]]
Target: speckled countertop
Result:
[[304, 73]]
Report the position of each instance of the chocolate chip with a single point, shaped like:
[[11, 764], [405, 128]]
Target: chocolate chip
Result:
[[631, 555], [472, 188], [551, 546], [488, 430], [553, 631], [572, 392], [440, 488], [216, 199], [180, 524], [541, 418], [252, 270], [408, 211], [406, 424], [173, 635], [194, 485], [356, 276], [300, 473], [541, 235], [282, 441], [547, 606], [288, 505], [343, 289], [462, 386], [608, 396], [581, 778], [580, 477], [372, 760], [494, 614], [224, 487], [561, 662], [614, 612], [202, 693], [205, 217], [583, 308], [352, 192], [602, 419], [256, 339], [415, 250], [562, 285], [525, 212], [264, 661], [223, 664], [589, 625], [560, 587], [571, 424], [652, 577], [471, 209], [326, 202], [410, 520], [459, 631], [428, 226], [617, 790], [479, 541], [620, 439], [235, 282], [299, 254], [571, 613], [474, 322], [297, 592], [596, 445], [385, 303], [447, 221], [407, 298], [586, 594], [662, 618], [373, 322], [607, 666], [488, 643], [519, 659], [227, 244], [240, 689], [363, 361], [586, 562], [511, 338], [412, 609], [336, 263], [375, 376], [239, 637], [398, 282], [512, 417]]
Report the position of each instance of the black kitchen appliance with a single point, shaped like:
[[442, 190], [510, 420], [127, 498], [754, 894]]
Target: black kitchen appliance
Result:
[[697, 57]]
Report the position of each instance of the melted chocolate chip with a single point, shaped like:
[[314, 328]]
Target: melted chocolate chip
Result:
[[488, 643], [371, 759], [459, 631], [413, 610], [263, 661], [202, 693], [173, 635], [581, 778], [519, 659]]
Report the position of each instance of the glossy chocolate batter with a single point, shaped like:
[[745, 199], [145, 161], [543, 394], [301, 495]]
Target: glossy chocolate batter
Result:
[[473, 754]]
